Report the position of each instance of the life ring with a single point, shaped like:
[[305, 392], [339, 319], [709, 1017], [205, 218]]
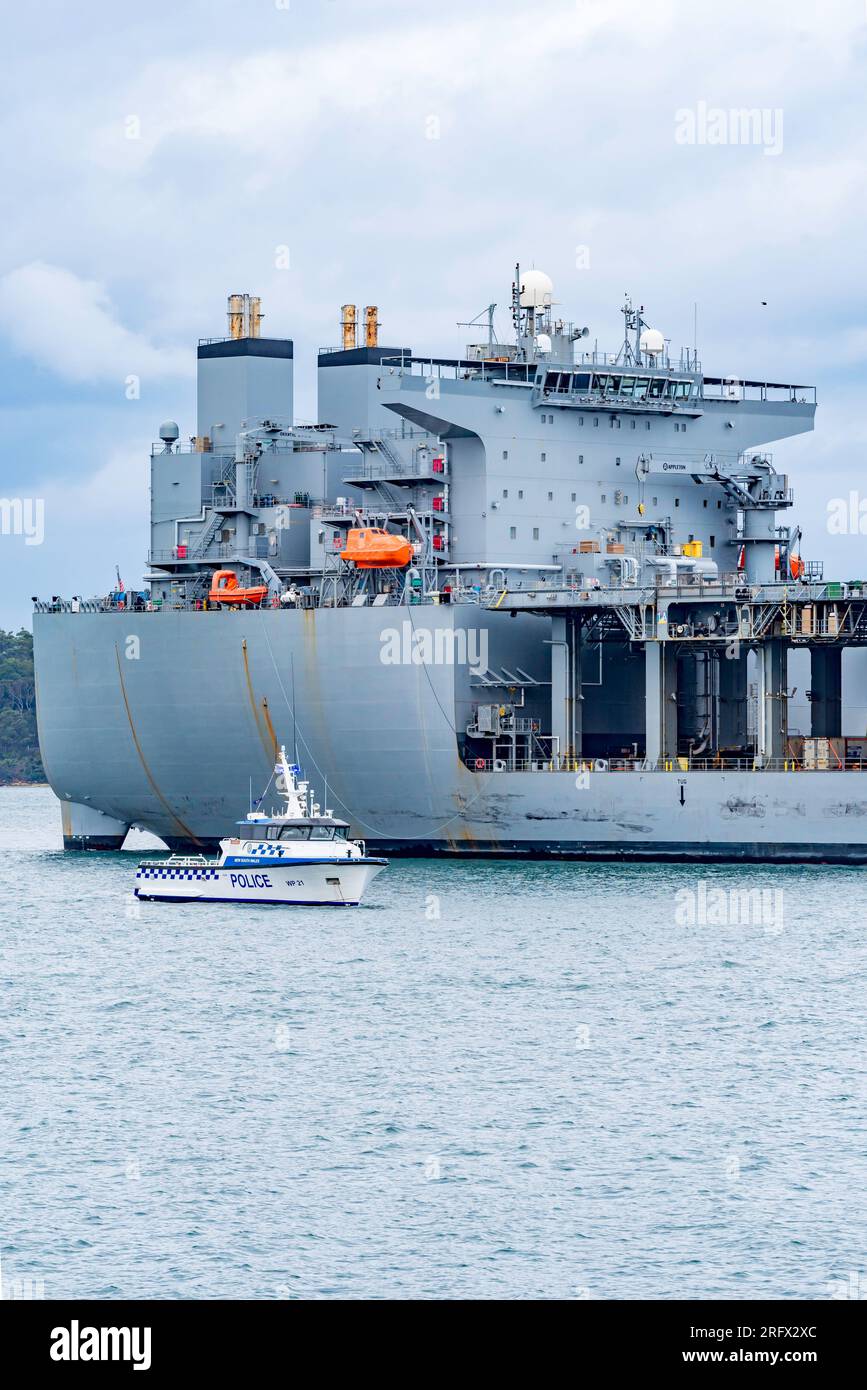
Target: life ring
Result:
[[600, 765], [480, 764]]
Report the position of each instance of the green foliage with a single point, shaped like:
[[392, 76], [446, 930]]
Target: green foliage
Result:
[[19, 748]]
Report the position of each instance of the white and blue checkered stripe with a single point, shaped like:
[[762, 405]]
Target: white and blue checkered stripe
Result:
[[198, 874]]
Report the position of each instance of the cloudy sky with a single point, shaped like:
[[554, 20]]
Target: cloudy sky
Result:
[[158, 156]]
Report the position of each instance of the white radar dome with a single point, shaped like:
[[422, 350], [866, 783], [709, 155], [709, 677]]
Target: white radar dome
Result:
[[543, 343], [537, 290], [652, 341], [169, 430]]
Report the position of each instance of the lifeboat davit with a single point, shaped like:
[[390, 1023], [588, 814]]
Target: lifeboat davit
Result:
[[375, 549], [226, 589]]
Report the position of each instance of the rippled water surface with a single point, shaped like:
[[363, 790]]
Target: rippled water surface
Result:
[[492, 1080]]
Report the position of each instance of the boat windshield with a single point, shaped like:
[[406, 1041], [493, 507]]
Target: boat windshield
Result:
[[301, 832]]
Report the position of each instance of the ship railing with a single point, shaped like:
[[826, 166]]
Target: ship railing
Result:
[[735, 389], [591, 767], [459, 369]]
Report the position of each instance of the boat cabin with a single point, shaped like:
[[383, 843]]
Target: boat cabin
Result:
[[304, 828]]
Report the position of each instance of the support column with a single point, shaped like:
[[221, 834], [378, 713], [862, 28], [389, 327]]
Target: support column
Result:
[[773, 713], [652, 698], [826, 682], [660, 700], [732, 698], [559, 684], [669, 700], [577, 696]]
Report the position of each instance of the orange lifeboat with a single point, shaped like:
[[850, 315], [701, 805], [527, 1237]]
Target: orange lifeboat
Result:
[[375, 549], [796, 564], [226, 589]]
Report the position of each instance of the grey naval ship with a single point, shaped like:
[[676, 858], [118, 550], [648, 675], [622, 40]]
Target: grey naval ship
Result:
[[538, 600]]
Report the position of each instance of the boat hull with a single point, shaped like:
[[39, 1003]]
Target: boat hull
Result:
[[165, 732], [341, 883]]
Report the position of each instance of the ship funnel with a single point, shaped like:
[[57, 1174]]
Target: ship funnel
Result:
[[245, 316], [371, 326], [349, 324]]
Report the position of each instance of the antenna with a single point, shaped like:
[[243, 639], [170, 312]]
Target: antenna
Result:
[[483, 313], [294, 723]]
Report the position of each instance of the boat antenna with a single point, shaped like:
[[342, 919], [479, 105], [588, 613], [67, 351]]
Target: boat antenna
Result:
[[294, 721]]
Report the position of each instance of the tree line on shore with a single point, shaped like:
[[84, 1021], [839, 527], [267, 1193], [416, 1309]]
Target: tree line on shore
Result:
[[19, 747]]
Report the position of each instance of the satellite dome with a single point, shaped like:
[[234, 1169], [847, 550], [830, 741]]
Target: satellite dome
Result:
[[652, 341], [537, 290], [543, 343], [169, 431]]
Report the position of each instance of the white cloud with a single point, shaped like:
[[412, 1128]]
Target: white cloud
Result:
[[67, 324]]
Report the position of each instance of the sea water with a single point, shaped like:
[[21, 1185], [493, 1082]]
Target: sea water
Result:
[[496, 1080]]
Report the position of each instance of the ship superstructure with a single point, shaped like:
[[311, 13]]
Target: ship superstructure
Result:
[[581, 646]]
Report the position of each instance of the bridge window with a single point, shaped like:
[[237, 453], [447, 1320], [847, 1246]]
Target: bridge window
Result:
[[322, 832], [581, 382], [295, 832]]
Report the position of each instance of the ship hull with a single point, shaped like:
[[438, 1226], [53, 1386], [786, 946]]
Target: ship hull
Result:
[[165, 720]]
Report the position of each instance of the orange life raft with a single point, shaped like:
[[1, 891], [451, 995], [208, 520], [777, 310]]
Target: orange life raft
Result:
[[226, 589], [796, 564], [375, 549]]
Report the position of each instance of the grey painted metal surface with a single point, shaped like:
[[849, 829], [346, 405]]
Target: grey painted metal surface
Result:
[[603, 567], [170, 742]]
